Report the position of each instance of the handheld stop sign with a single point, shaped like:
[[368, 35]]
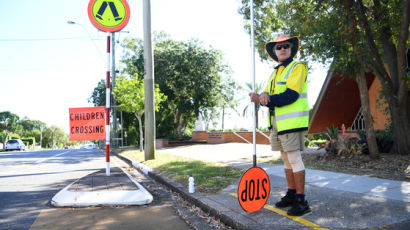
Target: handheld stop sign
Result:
[[253, 189]]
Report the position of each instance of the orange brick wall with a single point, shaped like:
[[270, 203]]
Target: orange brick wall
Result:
[[199, 135], [379, 119], [226, 137]]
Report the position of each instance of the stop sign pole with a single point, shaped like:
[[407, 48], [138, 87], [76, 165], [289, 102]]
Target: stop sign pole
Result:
[[253, 85]]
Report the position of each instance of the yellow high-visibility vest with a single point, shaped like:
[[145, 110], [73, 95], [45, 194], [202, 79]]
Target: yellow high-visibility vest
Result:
[[293, 117]]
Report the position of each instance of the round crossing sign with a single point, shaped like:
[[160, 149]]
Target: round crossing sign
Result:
[[109, 15], [253, 189]]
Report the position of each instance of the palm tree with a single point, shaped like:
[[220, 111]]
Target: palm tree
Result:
[[249, 88]]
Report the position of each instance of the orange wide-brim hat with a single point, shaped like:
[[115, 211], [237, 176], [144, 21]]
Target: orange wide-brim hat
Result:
[[295, 41]]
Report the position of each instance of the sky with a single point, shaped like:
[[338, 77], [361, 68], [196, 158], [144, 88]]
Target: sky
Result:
[[48, 65]]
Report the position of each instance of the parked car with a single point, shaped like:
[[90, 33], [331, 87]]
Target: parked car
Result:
[[15, 144], [88, 146]]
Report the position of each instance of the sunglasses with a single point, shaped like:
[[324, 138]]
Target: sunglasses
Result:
[[279, 47]]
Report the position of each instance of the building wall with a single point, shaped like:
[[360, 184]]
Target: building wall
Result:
[[199, 135], [379, 118], [339, 103], [227, 137]]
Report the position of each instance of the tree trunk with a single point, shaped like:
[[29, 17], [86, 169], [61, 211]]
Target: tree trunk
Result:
[[401, 127], [4, 140], [41, 139], [175, 113], [141, 133], [223, 118], [393, 81], [368, 120], [180, 125], [206, 122]]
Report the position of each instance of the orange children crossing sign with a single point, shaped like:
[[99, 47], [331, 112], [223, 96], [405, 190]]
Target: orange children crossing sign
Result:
[[87, 123], [109, 15], [253, 189]]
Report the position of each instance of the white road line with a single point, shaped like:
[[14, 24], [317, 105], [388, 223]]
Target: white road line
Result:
[[42, 160]]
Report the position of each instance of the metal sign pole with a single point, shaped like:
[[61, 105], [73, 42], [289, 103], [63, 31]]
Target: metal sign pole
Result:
[[107, 108], [253, 85]]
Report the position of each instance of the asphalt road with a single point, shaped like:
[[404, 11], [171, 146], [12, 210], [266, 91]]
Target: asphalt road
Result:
[[28, 181]]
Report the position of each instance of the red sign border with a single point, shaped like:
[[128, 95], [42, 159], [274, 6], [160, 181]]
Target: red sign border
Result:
[[109, 29]]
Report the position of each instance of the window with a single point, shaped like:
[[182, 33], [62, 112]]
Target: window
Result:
[[358, 123]]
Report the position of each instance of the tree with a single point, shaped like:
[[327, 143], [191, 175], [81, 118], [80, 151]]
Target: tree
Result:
[[129, 93], [30, 127], [8, 123], [54, 137], [98, 96], [189, 74], [357, 36], [228, 100]]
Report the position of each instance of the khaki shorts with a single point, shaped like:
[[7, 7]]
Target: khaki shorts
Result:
[[287, 142]]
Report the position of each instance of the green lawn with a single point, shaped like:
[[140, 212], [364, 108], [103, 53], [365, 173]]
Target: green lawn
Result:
[[209, 177]]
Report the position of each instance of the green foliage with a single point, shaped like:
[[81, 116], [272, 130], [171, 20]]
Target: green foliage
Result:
[[328, 30], [98, 96], [8, 120], [336, 144], [2, 135], [29, 141], [132, 135], [54, 137], [14, 136], [30, 125], [332, 133], [11, 126], [349, 146], [192, 77], [316, 143], [384, 140], [318, 136], [130, 94]]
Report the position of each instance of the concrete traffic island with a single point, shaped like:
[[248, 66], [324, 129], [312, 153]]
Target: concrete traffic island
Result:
[[97, 189]]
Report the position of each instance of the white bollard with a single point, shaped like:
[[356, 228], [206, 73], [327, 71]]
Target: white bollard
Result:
[[191, 184]]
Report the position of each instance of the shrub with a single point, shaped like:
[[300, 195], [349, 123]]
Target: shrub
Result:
[[29, 141], [350, 146], [384, 139], [336, 144]]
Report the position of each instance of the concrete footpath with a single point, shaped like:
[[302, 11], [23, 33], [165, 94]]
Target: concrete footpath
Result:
[[337, 200]]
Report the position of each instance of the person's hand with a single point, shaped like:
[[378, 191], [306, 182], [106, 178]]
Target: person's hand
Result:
[[254, 97], [264, 99]]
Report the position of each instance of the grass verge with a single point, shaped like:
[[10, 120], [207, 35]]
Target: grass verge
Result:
[[209, 177]]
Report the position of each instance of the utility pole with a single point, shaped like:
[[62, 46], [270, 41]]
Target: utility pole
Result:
[[114, 109], [148, 84]]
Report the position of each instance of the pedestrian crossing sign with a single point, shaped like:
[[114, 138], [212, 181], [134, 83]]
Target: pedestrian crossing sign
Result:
[[109, 15]]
